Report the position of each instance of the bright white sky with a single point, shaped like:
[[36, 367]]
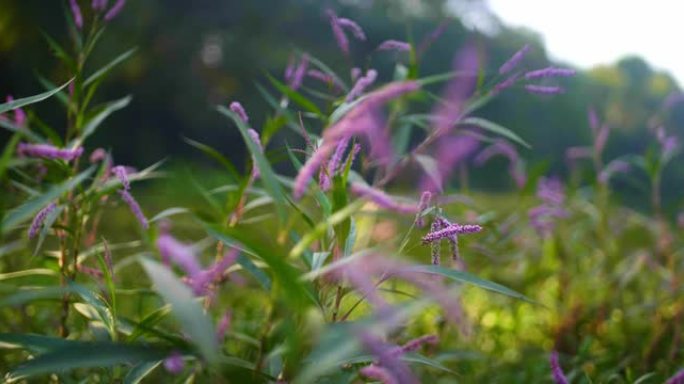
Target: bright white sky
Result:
[[591, 32]]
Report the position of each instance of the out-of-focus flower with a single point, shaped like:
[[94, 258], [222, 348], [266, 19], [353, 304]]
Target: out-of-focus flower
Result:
[[223, 326], [615, 166], [294, 74], [323, 77], [394, 45], [98, 155], [550, 72], [544, 90], [556, 370], [37, 222], [76, 13], [543, 217], [174, 363], [99, 5], [338, 32], [507, 83], [172, 250], [115, 10], [378, 373], [433, 36], [453, 229], [122, 175], [236, 107], [361, 84], [351, 25], [382, 199], [19, 114], [135, 207], [49, 152], [362, 119], [425, 198], [451, 151], [503, 148], [513, 62]]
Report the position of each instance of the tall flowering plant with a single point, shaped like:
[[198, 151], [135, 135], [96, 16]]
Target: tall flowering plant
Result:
[[331, 295]]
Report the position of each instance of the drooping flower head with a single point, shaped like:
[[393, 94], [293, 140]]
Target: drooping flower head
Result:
[[236, 107], [503, 148], [325, 78], [550, 72], [394, 45], [338, 32], [361, 84], [612, 168], [172, 250], [382, 199], [294, 75], [352, 26], [122, 175], [135, 207], [49, 152]]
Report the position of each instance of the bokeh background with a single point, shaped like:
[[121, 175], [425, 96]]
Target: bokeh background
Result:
[[192, 56]]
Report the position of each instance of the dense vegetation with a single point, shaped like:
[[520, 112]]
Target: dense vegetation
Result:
[[350, 245]]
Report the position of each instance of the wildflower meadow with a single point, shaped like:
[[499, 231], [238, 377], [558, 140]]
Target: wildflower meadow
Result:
[[349, 245]]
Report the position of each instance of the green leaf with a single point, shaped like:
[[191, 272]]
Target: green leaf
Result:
[[85, 355], [29, 295], [322, 227], [10, 126], [253, 270], [266, 172], [216, 155], [28, 272], [35, 343], [94, 122], [7, 153], [185, 308], [494, 128], [137, 373], [467, 278], [18, 103], [32, 206], [104, 70], [296, 97]]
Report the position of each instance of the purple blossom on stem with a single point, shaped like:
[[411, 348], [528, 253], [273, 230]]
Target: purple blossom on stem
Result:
[[223, 326], [338, 32], [361, 84], [172, 250], [453, 229], [507, 83], [255, 137], [99, 5], [135, 208], [594, 122], [576, 153], [513, 62], [450, 152], [556, 370], [550, 72], [601, 138], [678, 378], [359, 120], [122, 175], [457, 91], [98, 155], [382, 199], [297, 74], [37, 222], [115, 10], [436, 246], [174, 363], [386, 359], [203, 280], [394, 45], [415, 344], [355, 73], [236, 107], [376, 372], [324, 78], [544, 90], [432, 37], [19, 114], [331, 169], [615, 166], [76, 13], [351, 25], [543, 217], [49, 152], [425, 198]]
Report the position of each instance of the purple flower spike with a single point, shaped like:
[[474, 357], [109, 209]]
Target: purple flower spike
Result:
[[255, 137], [450, 152], [355, 73], [550, 72], [297, 75], [556, 370], [351, 25], [543, 90], [454, 229], [99, 5], [135, 208], [19, 114], [115, 10], [415, 344], [381, 199], [223, 326], [338, 32], [174, 363], [394, 45], [513, 62], [98, 155], [122, 175], [361, 85], [49, 151], [76, 13], [323, 77], [509, 82], [378, 373], [678, 378], [181, 254], [576, 153], [236, 107], [615, 166], [37, 222], [423, 205], [436, 246], [594, 122]]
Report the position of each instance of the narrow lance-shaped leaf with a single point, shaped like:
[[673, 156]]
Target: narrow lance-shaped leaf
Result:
[[494, 128], [101, 116], [266, 172], [104, 70], [31, 207], [185, 308], [18, 103]]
